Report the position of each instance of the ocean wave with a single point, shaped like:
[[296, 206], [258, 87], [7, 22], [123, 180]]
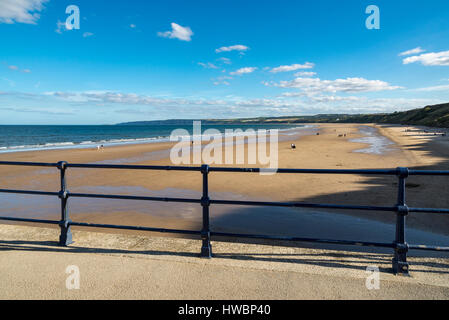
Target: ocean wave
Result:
[[123, 141], [83, 144]]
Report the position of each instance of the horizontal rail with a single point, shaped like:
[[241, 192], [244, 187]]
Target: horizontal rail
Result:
[[429, 210], [189, 200], [230, 169], [300, 239], [30, 220], [228, 202], [329, 241], [222, 234], [306, 171], [101, 196], [234, 235], [28, 164], [138, 228], [30, 192], [427, 247], [302, 205], [96, 225], [132, 167], [125, 197], [428, 172]]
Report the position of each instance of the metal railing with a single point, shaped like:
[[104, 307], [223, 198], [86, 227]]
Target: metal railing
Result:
[[399, 245]]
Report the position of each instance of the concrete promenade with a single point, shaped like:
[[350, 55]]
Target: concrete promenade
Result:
[[114, 266]]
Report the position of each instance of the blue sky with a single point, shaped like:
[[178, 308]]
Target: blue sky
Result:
[[144, 60]]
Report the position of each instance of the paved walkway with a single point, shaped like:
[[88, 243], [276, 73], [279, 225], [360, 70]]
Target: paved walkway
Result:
[[115, 266]]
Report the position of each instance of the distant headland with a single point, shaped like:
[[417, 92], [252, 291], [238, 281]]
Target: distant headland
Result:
[[432, 116]]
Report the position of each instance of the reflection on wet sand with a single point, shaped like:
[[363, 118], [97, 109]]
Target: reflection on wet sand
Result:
[[377, 143]]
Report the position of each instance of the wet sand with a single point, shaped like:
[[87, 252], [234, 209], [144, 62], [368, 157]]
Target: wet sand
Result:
[[364, 146]]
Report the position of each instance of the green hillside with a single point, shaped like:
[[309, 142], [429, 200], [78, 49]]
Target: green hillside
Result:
[[432, 116]]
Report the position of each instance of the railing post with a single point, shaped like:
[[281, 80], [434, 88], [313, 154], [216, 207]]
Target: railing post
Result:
[[65, 237], [206, 249], [400, 264]]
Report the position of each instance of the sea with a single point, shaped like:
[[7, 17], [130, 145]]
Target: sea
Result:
[[15, 138]]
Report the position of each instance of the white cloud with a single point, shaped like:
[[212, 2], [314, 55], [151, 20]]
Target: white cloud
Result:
[[208, 65], [430, 59], [16, 68], [132, 25], [109, 97], [245, 70], [412, 51], [315, 97], [87, 34], [305, 74], [21, 11], [60, 27], [237, 47], [276, 103], [178, 32], [225, 78], [293, 67], [435, 88], [222, 80], [328, 99], [225, 60], [34, 110], [293, 94], [217, 83], [316, 85], [329, 104], [232, 106]]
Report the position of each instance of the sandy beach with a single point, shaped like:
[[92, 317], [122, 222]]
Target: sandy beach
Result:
[[339, 146]]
